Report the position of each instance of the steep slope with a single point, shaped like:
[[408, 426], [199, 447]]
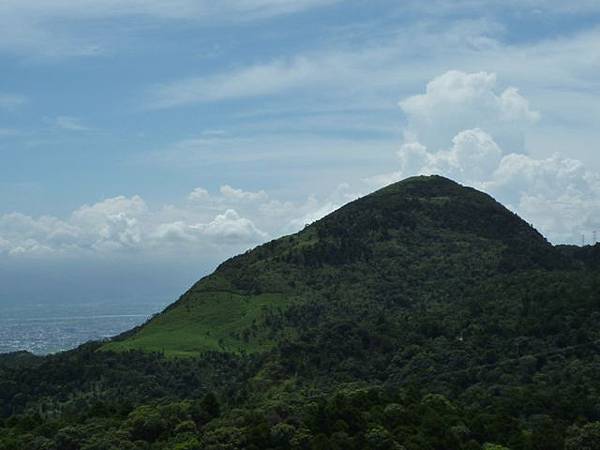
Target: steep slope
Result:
[[405, 248]]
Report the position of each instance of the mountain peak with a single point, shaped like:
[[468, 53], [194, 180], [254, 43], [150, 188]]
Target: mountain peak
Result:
[[391, 249], [434, 205], [432, 186], [427, 182]]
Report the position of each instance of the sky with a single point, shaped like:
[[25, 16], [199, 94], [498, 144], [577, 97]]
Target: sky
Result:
[[143, 142]]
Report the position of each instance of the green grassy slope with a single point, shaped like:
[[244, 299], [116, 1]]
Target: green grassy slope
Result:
[[210, 321]]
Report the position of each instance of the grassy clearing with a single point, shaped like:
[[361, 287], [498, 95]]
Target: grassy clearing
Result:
[[207, 321]]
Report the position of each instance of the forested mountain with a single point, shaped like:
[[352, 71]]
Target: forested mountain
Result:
[[422, 316]]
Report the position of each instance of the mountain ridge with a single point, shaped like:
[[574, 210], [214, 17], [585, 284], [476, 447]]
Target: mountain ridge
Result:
[[451, 231]]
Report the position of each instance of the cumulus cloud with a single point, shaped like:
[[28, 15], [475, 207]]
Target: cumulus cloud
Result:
[[231, 220], [230, 227], [473, 155], [113, 223], [198, 194], [239, 194], [558, 195], [455, 101], [120, 224], [24, 234], [228, 194], [178, 231]]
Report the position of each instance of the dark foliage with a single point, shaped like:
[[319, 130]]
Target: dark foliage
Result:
[[423, 316]]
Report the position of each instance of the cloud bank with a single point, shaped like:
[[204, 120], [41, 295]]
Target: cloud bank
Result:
[[223, 222], [460, 127], [456, 101], [558, 195]]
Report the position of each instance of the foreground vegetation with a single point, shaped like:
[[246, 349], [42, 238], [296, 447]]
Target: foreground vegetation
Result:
[[424, 316]]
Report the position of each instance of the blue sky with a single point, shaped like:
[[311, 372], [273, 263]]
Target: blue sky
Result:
[[144, 141]]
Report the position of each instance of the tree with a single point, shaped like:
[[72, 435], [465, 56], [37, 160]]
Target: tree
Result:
[[583, 438], [210, 405], [145, 423]]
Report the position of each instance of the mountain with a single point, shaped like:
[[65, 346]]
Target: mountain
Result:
[[388, 253], [424, 316]]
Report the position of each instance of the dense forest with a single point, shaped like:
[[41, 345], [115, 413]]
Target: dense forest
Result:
[[423, 316]]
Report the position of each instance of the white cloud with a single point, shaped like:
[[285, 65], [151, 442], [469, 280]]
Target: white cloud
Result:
[[230, 227], [558, 195], [112, 224], [226, 228], [113, 206], [23, 234], [239, 194], [198, 194], [457, 101], [473, 156], [178, 231], [231, 220], [556, 75]]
